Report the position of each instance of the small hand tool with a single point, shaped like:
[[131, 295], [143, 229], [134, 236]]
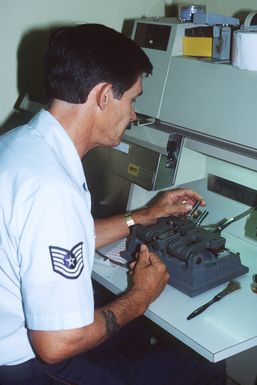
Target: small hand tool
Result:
[[222, 224], [232, 286]]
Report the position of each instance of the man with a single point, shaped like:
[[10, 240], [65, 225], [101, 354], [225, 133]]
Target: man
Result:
[[49, 330]]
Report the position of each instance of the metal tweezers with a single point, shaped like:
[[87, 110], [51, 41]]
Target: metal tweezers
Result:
[[225, 222]]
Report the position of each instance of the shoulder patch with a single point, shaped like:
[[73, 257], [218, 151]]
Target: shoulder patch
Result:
[[68, 263]]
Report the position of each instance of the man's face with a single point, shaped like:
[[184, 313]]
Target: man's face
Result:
[[120, 114]]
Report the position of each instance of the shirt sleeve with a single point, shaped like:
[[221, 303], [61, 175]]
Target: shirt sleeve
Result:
[[56, 255]]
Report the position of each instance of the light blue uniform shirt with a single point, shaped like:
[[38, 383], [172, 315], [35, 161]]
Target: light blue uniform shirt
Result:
[[47, 238]]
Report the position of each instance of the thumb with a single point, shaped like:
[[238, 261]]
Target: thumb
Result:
[[143, 254], [143, 247]]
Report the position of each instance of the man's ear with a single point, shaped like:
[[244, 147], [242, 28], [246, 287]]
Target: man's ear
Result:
[[103, 95]]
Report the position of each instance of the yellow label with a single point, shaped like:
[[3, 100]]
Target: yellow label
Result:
[[133, 169], [197, 46]]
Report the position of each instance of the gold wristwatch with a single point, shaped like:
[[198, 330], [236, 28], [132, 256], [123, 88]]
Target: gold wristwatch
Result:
[[129, 220]]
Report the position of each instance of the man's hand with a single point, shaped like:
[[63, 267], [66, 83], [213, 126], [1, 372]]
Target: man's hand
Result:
[[173, 202], [149, 275]]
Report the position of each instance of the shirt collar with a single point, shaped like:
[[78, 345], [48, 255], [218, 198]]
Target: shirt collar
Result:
[[61, 145]]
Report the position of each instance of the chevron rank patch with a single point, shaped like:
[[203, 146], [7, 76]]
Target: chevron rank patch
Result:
[[68, 263]]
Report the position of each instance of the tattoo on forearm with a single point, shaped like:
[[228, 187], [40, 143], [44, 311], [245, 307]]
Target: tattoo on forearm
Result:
[[111, 324]]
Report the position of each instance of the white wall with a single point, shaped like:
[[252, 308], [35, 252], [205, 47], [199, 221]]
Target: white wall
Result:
[[18, 17]]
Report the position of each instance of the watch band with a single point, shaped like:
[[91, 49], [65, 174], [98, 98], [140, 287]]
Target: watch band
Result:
[[129, 220]]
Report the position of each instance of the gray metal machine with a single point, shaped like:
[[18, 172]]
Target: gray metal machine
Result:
[[196, 256]]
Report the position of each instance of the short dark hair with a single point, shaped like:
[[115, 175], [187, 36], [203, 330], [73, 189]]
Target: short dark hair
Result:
[[79, 57]]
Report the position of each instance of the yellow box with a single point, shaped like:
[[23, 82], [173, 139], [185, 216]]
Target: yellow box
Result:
[[197, 46]]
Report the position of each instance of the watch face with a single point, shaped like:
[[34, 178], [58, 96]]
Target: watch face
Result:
[[129, 220]]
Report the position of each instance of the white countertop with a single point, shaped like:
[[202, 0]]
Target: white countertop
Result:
[[224, 329]]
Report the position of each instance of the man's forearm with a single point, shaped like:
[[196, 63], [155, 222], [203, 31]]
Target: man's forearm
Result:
[[111, 229], [55, 346]]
